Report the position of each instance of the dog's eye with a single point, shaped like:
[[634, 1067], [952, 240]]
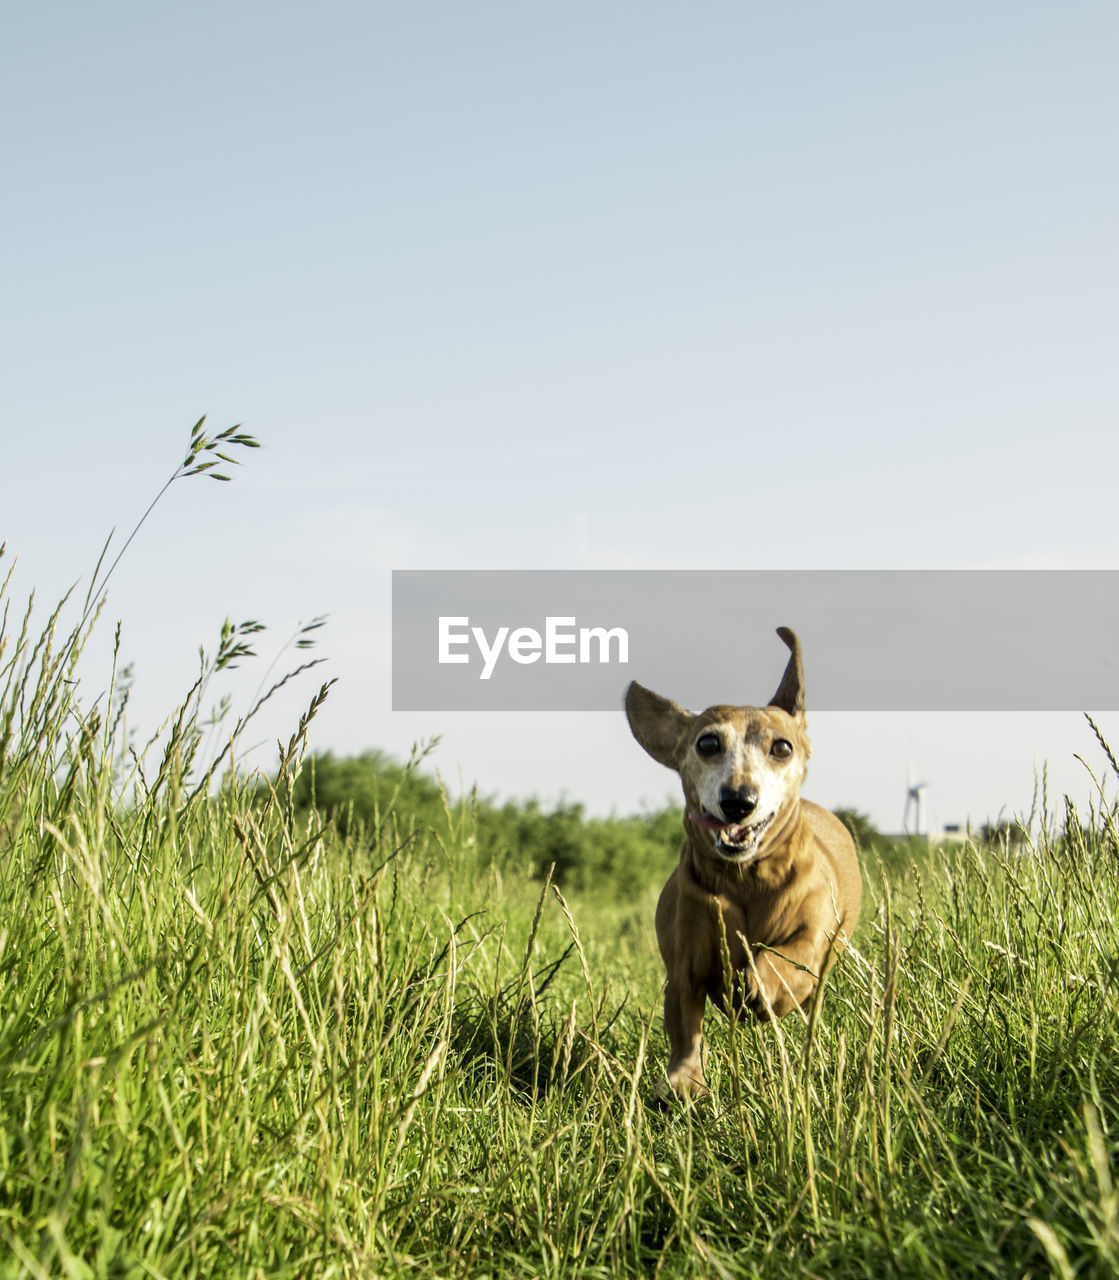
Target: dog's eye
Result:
[[782, 748], [708, 744]]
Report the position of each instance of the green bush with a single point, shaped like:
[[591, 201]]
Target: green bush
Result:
[[395, 801]]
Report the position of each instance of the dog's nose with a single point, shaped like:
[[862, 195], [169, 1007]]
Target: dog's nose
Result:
[[737, 803]]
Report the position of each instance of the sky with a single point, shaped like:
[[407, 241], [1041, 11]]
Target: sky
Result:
[[500, 285]]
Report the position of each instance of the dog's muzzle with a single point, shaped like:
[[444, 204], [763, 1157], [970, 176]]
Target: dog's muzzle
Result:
[[735, 841]]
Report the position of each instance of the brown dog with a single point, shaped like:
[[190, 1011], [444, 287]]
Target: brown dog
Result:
[[780, 871]]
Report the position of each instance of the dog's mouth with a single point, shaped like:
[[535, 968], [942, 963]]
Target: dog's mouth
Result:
[[735, 841]]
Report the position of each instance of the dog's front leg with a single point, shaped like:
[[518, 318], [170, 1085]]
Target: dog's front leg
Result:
[[783, 981], [683, 1020]]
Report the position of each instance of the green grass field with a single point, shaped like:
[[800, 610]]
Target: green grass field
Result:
[[238, 1039]]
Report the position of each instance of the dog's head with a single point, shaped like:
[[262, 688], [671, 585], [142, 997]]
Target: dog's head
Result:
[[742, 767]]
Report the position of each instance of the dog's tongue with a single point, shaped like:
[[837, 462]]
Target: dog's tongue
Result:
[[702, 819]]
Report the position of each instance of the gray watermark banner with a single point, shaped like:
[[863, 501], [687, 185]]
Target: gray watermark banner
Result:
[[873, 640]]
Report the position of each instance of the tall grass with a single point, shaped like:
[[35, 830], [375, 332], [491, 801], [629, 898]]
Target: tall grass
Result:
[[234, 1042]]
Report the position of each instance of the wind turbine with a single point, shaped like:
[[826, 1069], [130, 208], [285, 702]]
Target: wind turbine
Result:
[[915, 805]]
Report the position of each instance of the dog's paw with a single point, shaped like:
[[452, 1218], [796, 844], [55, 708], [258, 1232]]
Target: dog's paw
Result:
[[684, 1084], [755, 1000]]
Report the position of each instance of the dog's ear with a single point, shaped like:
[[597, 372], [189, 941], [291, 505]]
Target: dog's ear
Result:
[[790, 692], [657, 723]]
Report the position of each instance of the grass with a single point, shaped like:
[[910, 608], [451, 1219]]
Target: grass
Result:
[[235, 1042]]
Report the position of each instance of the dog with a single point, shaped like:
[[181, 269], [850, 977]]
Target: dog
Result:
[[765, 878]]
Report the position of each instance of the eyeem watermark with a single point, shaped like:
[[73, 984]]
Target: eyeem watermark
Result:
[[873, 640], [561, 642]]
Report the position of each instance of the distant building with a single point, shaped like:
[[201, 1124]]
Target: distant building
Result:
[[949, 833]]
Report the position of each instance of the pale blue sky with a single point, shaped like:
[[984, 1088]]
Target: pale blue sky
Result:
[[601, 285]]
